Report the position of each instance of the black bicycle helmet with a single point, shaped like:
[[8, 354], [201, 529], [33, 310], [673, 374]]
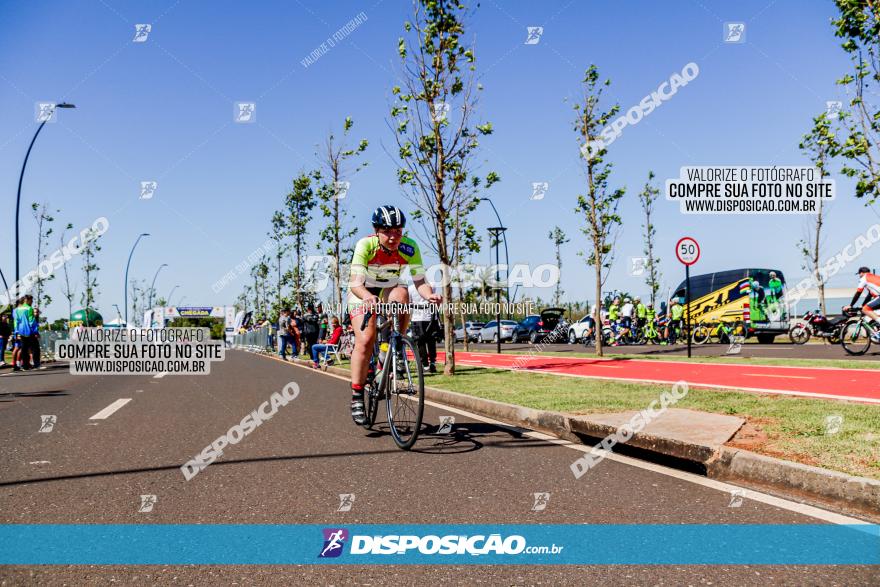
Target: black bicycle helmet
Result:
[[388, 217]]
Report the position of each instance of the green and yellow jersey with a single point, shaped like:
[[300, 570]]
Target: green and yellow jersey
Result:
[[381, 267]]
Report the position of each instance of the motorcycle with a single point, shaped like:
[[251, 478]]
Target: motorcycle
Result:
[[816, 324]]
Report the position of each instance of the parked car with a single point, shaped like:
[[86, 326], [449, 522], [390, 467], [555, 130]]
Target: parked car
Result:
[[473, 330], [535, 328], [489, 333], [578, 330]]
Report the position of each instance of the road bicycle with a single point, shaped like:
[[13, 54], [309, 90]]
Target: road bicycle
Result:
[[856, 333], [650, 332], [722, 331], [395, 375], [679, 334]]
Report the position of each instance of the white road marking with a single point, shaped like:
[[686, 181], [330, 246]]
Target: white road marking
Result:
[[109, 410], [39, 463], [780, 376], [799, 508], [784, 504], [160, 375]]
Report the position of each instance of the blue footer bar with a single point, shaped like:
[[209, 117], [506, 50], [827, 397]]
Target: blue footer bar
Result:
[[173, 544]]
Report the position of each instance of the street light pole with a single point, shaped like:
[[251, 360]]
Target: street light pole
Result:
[[497, 231], [143, 234], [168, 299], [153, 285], [504, 236], [21, 179]]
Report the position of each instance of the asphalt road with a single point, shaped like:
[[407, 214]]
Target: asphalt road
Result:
[[292, 469]]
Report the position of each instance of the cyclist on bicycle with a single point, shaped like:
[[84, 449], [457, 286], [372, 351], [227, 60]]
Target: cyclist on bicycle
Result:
[[614, 316], [626, 318], [375, 276], [641, 313], [871, 282], [676, 321]]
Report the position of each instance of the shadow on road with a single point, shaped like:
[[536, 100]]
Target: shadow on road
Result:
[[464, 438], [10, 396]]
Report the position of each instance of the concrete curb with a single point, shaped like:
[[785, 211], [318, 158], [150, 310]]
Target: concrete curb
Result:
[[721, 462], [737, 464]]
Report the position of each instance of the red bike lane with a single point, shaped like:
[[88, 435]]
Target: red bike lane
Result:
[[862, 385]]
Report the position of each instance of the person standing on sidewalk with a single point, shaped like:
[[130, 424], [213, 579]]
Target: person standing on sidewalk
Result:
[[423, 327], [25, 327], [283, 333], [35, 349], [5, 336], [311, 329]]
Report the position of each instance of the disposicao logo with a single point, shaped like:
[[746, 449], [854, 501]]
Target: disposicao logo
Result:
[[334, 541]]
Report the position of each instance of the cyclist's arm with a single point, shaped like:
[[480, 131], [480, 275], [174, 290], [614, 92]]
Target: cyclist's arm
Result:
[[417, 271], [423, 287], [861, 287]]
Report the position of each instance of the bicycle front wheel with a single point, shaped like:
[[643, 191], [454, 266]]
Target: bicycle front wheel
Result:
[[701, 334], [405, 394], [855, 338]]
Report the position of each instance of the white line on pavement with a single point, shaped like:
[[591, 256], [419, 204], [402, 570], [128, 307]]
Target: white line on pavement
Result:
[[792, 506], [160, 375], [780, 376], [109, 410]]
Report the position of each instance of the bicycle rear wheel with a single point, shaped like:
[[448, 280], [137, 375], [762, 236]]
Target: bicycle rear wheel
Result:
[[855, 338], [405, 394], [701, 334]]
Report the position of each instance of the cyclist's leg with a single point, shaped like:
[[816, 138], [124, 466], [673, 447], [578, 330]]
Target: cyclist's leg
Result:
[[870, 308], [364, 341], [400, 295]]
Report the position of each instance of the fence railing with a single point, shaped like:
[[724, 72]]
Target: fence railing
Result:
[[47, 343], [253, 340]]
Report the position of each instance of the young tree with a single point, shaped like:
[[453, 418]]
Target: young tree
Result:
[[859, 26], [44, 230], [558, 238], [432, 120], [260, 273], [647, 199], [599, 205], [66, 290], [465, 242], [336, 236], [90, 269], [140, 295], [819, 145], [300, 202], [277, 234]]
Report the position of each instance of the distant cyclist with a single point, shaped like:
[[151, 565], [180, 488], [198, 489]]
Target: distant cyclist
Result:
[[627, 310], [614, 316], [870, 282], [676, 320], [375, 276], [641, 313]]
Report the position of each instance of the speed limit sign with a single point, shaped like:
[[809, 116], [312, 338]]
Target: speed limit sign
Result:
[[687, 250]]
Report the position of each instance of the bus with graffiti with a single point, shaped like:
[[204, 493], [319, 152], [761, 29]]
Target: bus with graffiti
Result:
[[755, 296]]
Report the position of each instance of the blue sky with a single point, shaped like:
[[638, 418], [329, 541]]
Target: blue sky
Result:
[[162, 110]]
